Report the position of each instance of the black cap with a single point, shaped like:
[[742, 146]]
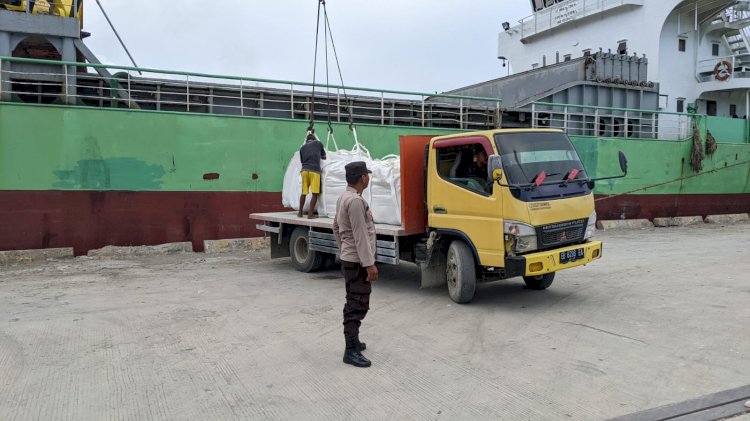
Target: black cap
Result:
[[356, 169]]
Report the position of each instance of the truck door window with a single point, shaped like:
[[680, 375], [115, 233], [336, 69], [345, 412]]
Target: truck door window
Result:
[[465, 166]]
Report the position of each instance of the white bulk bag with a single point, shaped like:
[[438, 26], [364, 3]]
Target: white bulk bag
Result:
[[333, 180], [292, 189], [385, 190]]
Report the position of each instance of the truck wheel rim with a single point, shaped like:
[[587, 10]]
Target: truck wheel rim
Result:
[[452, 270], [300, 249]]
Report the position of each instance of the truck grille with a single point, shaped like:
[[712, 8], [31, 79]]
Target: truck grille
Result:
[[561, 233]]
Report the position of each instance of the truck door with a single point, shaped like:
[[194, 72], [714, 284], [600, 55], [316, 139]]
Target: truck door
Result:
[[461, 201]]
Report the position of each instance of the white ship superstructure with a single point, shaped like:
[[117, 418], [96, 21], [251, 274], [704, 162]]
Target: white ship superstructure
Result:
[[629, 56], [698, 51]]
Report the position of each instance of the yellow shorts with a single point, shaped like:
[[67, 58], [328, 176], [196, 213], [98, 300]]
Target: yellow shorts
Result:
[[310, 182]]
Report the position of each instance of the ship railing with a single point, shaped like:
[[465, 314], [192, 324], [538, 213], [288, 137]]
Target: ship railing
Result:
[[561, 13], [581, 120], [723, 68], [86, 84]]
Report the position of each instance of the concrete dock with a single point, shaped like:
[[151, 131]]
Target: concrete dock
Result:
[[664, 317]]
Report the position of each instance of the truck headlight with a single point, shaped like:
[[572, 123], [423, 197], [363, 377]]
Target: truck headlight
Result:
[[591, 227], [523, 236]]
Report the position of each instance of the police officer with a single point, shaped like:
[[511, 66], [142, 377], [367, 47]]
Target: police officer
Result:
[[355, 235]]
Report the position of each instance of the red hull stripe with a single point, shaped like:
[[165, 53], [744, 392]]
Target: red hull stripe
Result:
[[650, 206], [89, 220]]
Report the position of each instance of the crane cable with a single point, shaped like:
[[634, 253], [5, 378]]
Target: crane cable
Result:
[[315, 68], [327, 33], [341, 77]]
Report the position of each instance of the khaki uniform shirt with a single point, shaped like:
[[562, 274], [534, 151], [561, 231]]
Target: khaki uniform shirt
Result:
[[354, 229]]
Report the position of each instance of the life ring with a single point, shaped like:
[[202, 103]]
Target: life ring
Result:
[[722, 70]]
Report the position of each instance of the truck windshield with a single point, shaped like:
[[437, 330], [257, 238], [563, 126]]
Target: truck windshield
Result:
[[526, 154]]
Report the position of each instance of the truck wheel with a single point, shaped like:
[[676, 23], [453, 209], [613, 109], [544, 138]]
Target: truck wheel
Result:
[[303, 259], [461, 272], [539, 282]]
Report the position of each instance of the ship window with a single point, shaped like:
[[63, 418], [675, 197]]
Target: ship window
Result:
[[681, 44], [733, 110], [567, 57], [715, 49], [680, 105]]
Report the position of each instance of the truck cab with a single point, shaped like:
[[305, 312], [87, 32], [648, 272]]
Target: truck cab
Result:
[[528, 212]]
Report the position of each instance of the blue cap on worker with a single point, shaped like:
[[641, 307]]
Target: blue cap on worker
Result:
[[356, 169]]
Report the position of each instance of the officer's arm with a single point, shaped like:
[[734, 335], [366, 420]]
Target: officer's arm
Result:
[[322, 151], [358, 218], [336, 232]]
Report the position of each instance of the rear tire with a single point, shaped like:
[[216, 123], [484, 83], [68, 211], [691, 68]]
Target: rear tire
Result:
[[461, 272], [539, 282], [303, 259]]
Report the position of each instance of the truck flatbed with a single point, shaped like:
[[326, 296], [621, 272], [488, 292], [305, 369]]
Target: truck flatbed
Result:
[[321, 222]]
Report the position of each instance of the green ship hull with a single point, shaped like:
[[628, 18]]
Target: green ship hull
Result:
[[88, 177], [118, 159]]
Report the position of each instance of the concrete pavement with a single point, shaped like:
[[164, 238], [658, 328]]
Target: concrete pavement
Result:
[[662, 318]]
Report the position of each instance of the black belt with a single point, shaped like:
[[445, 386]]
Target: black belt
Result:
[[350, 265]]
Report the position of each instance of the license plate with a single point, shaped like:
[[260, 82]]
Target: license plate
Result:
[[571, 255]]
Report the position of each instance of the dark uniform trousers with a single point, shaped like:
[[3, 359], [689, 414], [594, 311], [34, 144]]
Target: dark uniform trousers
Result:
[[357, 297]]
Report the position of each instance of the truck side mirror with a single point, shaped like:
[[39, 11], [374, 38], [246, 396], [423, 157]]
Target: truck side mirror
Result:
[[623, 163], [495, 168], [494, 162]]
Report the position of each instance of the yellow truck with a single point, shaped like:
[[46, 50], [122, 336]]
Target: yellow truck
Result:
[[528, 213]]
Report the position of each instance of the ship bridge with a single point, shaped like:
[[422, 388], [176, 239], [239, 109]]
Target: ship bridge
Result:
[[661, 55], [723, 74], [551, 15]]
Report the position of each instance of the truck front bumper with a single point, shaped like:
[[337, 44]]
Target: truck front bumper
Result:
[[535, 264]]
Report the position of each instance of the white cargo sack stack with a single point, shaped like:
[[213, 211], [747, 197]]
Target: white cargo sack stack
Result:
[[385, 190], [292, 189], [383, 195]]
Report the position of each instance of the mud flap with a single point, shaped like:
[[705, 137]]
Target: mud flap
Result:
[[434, 271], [279, 247]]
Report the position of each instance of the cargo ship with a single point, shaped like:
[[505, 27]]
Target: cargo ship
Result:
[[94, 155]]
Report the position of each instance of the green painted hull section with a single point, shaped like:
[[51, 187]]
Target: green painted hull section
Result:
[[66, 148], [729, 130], [664, 165]]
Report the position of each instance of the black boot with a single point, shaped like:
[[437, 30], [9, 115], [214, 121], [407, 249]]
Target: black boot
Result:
[[361, 346], [353, 356]]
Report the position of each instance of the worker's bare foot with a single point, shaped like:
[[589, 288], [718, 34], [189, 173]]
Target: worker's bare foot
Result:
[[312, 216], [299, 214]]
